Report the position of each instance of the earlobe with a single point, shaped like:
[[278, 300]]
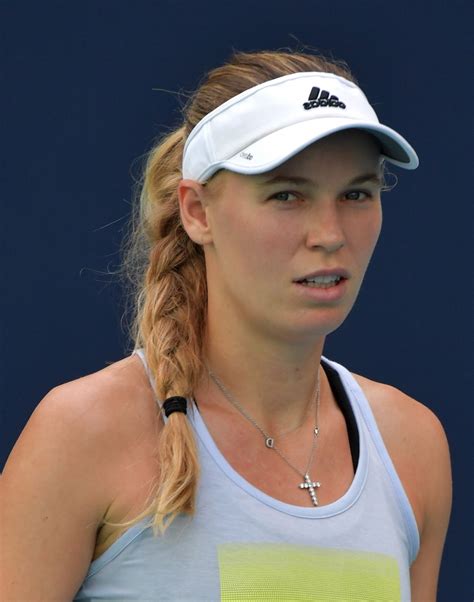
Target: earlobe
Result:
[[193, 211]]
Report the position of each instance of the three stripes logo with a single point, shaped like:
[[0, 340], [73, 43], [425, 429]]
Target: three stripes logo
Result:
[[322, 98]]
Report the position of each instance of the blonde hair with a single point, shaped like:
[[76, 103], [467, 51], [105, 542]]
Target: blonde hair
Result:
[[168, 273]]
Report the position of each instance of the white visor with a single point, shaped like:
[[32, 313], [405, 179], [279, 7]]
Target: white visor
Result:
[[266, 125]]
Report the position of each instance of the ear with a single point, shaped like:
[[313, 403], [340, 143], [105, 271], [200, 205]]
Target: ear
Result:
[[193, 211]]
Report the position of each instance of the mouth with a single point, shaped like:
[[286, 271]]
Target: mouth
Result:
[[321, 281], [323, 287]]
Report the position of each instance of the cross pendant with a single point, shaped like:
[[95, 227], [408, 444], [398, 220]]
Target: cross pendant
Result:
[[310, 486]]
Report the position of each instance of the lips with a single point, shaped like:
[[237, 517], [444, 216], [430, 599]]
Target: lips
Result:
[[324, 286]]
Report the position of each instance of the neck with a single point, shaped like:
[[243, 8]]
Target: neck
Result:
[[272, 380]]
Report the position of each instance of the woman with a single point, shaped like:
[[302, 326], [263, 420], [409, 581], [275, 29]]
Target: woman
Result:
[[265, 471]]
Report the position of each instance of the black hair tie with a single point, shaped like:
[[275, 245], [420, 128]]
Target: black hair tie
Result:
[[175, 404]]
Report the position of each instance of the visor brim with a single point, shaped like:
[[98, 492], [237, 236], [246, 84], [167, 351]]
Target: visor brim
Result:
[[279, 146]]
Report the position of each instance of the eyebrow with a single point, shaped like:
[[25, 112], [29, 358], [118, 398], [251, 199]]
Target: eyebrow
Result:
[[367, 177]]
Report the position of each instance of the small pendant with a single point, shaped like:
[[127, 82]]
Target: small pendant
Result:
[[310, 486], [270, 442], [316, 430]]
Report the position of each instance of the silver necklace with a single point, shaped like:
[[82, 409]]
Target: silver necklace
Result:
[[307, 483]]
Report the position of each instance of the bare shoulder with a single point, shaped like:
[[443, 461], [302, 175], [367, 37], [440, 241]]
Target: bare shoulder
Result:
[[109, 418], [109, 410], [113, 401], [411, 431], [104, 409], [400, 416], [416, 442], [61, 476]]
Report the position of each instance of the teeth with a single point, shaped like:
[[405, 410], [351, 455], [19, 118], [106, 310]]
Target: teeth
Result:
[[316, 285], [323, 279]]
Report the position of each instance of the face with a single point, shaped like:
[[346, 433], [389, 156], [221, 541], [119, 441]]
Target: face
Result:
[[289, 248]]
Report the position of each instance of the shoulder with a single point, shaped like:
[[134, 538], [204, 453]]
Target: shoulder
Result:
[[113, 411], [401, 417], [61, 475], [402, 420], [114, 400], [417, 444], [91, 423]]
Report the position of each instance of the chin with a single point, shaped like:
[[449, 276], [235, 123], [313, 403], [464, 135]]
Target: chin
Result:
[[307, 330], [320, 323]]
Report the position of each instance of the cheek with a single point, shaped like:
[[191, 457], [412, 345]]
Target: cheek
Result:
[[271, 247], [251, 241], [370, 234], [377, 226]]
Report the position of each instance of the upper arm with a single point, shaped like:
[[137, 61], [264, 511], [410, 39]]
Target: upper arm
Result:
[[436, 468], [53, 497], [417, 445]]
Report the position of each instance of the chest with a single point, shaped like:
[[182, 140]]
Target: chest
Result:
[[260, 467], [258, 553], [236, 541], [280, 471]]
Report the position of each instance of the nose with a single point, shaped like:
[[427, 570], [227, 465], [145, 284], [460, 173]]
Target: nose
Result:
[[325, 229]]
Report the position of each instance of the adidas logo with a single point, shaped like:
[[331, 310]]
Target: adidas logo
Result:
[[322, 98]]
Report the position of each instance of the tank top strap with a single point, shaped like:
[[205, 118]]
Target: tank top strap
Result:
[[141, 355], [365, 410]]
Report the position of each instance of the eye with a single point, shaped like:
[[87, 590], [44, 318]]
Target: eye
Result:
[[357, 195], [284, 196]]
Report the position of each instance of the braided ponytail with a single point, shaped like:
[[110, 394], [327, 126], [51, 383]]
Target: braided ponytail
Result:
[[171, 328]]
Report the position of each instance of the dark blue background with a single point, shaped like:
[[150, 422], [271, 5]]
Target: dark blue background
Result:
[[78, 112]]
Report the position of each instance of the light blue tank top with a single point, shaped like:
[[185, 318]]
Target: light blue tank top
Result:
[[243, 544]]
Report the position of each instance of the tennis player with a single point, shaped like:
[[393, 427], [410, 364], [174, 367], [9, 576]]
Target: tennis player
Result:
[[227, 458]]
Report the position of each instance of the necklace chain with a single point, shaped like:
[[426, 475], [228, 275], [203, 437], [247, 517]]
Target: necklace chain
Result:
[[270, 441]]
